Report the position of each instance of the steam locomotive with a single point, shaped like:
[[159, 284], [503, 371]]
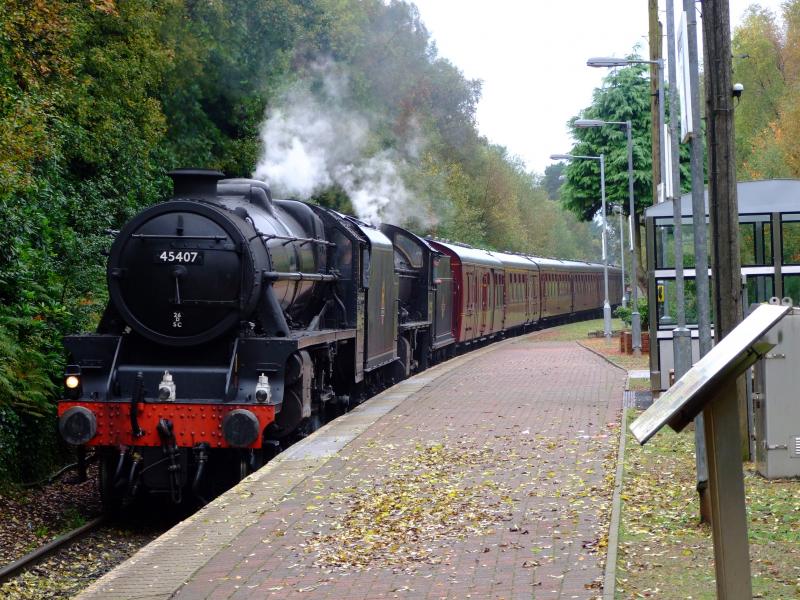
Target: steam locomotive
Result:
[[236, 322]]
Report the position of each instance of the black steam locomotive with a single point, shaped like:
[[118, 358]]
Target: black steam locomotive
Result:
[[237, 321]]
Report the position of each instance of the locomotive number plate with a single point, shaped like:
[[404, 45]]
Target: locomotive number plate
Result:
[[183, 257]]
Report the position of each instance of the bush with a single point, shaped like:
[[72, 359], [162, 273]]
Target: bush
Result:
[[624, 313], [9, 438]]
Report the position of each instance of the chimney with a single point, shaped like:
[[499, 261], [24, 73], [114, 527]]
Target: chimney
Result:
[[195, 183]]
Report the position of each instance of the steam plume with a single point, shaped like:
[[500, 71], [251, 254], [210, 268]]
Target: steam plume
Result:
[[313, 140]]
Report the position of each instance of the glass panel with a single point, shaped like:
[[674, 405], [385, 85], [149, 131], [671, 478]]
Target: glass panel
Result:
[[747, 243], [791, 288], [665, 246], [766, 229], [791, 240], [755, 246], [755, 240], [667, 315], [760, 288]]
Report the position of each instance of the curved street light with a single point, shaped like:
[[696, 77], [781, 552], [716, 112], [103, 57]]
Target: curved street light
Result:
[[636, 323], [601, 158]]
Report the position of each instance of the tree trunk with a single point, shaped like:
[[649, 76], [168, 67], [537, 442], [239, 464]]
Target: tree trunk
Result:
[[655, 130]]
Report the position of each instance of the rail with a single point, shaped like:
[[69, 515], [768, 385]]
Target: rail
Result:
[[14, 568]]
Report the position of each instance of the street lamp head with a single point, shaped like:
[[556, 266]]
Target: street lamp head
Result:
[[561, 157], [607, 61], [584, 123]]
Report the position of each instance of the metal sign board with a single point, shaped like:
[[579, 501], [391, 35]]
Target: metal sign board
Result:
[[738, 350], [667, 139], [684, 80]]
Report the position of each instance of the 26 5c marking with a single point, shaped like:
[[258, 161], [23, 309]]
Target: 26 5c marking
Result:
[[180, 256]]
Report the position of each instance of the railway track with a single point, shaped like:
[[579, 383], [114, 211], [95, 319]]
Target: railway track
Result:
[[13, 569]]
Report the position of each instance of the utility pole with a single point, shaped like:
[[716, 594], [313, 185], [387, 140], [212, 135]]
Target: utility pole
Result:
[[722, 418], [681, 337], [700, 252], [722, 200]]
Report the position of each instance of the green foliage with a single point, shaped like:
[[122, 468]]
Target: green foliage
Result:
[[757, 64], [766, 60], [99, 99], [552, 180], [624, 313], [25, 383], [9, 430], [625, 96]]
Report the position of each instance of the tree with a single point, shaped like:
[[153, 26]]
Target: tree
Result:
[[553, 179], [758, 64], [625, 95], [100, 98]]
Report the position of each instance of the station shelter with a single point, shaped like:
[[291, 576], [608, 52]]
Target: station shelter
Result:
[[769, 244]]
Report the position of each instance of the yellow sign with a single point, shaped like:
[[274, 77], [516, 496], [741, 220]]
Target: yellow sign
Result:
[[661, 293]]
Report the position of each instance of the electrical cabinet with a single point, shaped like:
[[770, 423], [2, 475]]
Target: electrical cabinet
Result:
[[776, 402]]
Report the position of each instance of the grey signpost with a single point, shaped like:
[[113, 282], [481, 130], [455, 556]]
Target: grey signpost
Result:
[[681, 336], [710, 387], [691, 90]]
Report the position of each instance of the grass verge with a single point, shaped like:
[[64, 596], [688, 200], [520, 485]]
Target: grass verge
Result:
[[665, 553], [639, 385], [576, 331], [579, 332]]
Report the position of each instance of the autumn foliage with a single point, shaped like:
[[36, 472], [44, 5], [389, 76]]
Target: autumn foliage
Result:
[[99, 99], [766, 60]]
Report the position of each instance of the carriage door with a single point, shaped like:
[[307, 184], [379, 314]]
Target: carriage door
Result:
[[469, 303], [485, 314], [535, 296], [499, 302]]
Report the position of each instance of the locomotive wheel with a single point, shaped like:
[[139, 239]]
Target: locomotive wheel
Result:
[[290, 417], [111, 497]]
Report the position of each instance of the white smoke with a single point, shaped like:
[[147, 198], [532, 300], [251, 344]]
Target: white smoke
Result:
[[312, 141], [375, 188]]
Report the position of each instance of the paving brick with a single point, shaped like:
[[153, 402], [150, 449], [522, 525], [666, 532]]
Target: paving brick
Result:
[[544, 415]]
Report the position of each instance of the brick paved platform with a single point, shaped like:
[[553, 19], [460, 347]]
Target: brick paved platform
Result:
[[489, 476]]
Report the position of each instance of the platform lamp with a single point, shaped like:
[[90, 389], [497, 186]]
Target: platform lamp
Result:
[[636, 322], [601, 158], [618, 210], [610, 62]]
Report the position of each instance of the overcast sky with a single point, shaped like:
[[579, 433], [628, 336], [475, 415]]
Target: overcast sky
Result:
[[531, 56]]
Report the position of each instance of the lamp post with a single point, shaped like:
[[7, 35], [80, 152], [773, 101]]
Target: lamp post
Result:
[[636, 323], [607, 62], [618, 209], [610, 61], [601, 158]]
